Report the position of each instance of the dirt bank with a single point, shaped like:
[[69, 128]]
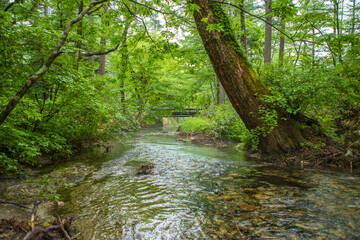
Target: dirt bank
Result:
[[202, 139]]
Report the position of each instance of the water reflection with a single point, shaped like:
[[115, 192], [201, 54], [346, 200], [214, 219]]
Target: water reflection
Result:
[[200, 192]]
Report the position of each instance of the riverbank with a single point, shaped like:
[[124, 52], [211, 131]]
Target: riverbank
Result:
[[203, 139], [331, 156], [18, 195]]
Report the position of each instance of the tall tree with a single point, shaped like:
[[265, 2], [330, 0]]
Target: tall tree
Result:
[[244, 89], [267, 49], [102, 58], [282, 42], [48, 62], [80, 33], [221, 93], [243, 27]]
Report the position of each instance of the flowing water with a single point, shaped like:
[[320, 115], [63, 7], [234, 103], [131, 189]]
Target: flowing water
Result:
[[201, 192]]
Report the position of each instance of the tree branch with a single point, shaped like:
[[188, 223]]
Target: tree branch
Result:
[[10, 5], [153, 9], [101, 52], [142, 20], [159, 11], [96, 9], [49, 61], [253, 15]]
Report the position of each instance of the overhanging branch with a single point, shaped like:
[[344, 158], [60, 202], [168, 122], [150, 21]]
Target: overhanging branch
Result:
[[89, 54]]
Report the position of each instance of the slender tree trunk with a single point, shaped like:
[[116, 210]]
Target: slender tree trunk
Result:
[[313, 47], [353, 20], [46, 8], [337, 30], [241, 84], [353, 17], [49, 61], [80, 33], [282, 43], [243, 28], [268, 28], [124, 62], [221, 93], [102, 58]]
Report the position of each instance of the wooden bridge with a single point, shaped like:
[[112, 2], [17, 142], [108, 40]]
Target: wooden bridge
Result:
[[186, 112]]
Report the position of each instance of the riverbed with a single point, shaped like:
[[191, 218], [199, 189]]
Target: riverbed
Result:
[[204, 192]]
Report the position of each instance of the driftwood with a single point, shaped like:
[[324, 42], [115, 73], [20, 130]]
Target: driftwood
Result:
[[57, 230]]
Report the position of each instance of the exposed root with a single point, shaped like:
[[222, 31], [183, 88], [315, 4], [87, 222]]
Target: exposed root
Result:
[[330, 155]]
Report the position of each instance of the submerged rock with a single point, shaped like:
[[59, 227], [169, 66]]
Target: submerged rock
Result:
[[246, 207], [145, 169]]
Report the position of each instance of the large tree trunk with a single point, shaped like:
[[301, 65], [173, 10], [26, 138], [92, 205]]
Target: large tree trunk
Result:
[[241, 84], [267, 49]]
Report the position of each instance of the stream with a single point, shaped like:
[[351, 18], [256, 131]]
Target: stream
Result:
[[203, 192]]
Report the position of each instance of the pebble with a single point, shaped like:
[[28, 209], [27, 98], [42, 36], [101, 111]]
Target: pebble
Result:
[[60, 204]]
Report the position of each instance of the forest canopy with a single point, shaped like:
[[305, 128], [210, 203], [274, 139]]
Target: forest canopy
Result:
[[75, 72]]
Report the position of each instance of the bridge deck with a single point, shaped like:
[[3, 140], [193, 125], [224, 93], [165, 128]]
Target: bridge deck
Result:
[[188, 112]]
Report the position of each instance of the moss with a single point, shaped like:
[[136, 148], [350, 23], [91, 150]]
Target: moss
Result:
[[222, 18]]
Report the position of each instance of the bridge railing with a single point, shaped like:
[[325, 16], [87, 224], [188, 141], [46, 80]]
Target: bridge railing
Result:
[[187, 112]]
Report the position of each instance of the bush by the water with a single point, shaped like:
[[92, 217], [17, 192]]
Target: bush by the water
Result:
[[219, 121]]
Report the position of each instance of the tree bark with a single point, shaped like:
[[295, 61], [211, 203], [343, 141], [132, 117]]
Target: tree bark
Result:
[[221, 93], [243, 28], [242, 86], [49, 61], [102, 58], [282, 43], [80, 33], [267, 49], [338, 30], [124, 62]]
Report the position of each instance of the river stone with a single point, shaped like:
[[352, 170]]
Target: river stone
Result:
[[258, 196], [350, 212], [321, 238], [226, 178], [246, 207], [263, 233]]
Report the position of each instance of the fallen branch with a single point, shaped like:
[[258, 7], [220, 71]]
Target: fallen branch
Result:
[[13, 203], [66, 234], [33, 214]]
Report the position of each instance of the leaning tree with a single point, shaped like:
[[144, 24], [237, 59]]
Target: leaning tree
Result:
[[243, 87]]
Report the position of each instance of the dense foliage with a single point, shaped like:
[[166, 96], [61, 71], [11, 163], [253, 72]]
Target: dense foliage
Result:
[[155, 61]]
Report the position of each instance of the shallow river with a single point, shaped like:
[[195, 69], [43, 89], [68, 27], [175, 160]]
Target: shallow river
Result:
[[201, 192]]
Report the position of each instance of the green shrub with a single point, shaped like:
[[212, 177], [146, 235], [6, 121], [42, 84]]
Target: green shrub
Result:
[[219, 121], [198, 124]]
